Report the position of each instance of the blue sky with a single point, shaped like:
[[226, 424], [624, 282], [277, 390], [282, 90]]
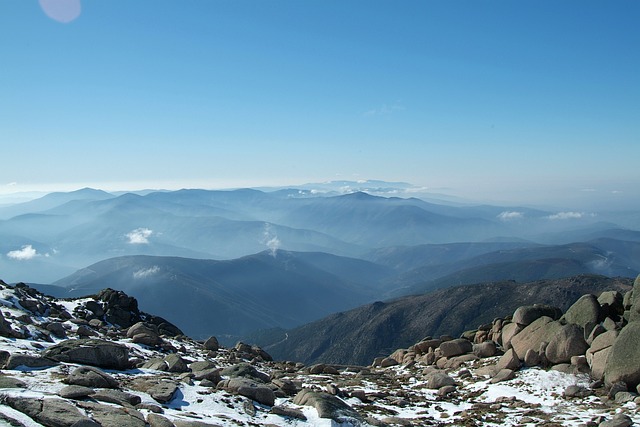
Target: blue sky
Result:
[[496, 100]]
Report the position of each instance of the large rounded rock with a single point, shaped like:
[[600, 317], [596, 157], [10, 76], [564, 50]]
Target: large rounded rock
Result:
[[211, 344], [456, 347], [91, 377], [508, 332], [598, 353], [542, 330], [509, 360], [95, 352], [623, 363], [438, 379], [634, 314], [568, 341], [527, 314], [143, 333], [585, 311]]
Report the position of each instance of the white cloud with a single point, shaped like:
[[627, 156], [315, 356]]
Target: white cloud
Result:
[[27, 252], [567, 215], [270, 240], [139, 236], [384, 109], [146, 272], [510, 215]]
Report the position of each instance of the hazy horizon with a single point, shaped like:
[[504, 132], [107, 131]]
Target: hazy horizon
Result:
[[509, 103]]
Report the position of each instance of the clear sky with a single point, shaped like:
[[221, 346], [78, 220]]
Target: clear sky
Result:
[[502, 99]]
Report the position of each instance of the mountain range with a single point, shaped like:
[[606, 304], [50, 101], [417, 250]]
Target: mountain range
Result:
[[233, 262], [63, 232]]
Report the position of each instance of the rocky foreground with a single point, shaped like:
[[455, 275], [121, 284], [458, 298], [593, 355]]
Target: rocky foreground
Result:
[[99, 361]]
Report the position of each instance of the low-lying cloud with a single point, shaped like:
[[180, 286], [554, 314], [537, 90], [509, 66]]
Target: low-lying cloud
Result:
[[270, 239], [567, 215], [139, 236], [146, 272], [27, 252], [510, 215]]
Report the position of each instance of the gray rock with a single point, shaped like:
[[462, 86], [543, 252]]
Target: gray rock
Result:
[[456, 347], [112, 416], [388, 361], [634, 314], [532, 358], [622, 363], [576, 391], [156, 420], [620, 420], [540, 331], [211, 374], [246, 371], [568, 341], [613, 300], [163, 392], [91, 377], [5, 327], [143, 333], [85, 332], [10, 382], [155, 363], [57, 329], [59, 413], [285, 411], [625, 397], [603, 341], [446, 390], [95, 352], [438, 379], [75, 392], [617, 388], [175, 363], [27, 405], [503, 375], [212, 344], [583, 312], [508, 332], [485, 349], [527, 314], [247, 388], [29, 361], [509, 360], [201, 365], [327, 405], [86, 423], [116, 396], [423, 346], [598, 362]]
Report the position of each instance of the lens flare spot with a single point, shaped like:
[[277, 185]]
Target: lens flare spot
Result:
[[63, 11]]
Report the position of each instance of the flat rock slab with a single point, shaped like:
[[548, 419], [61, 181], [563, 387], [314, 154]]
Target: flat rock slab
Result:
[[94, 352]]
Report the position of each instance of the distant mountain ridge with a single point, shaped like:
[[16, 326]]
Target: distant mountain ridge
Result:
[[235, 297], [357, 336], [67, 231]]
